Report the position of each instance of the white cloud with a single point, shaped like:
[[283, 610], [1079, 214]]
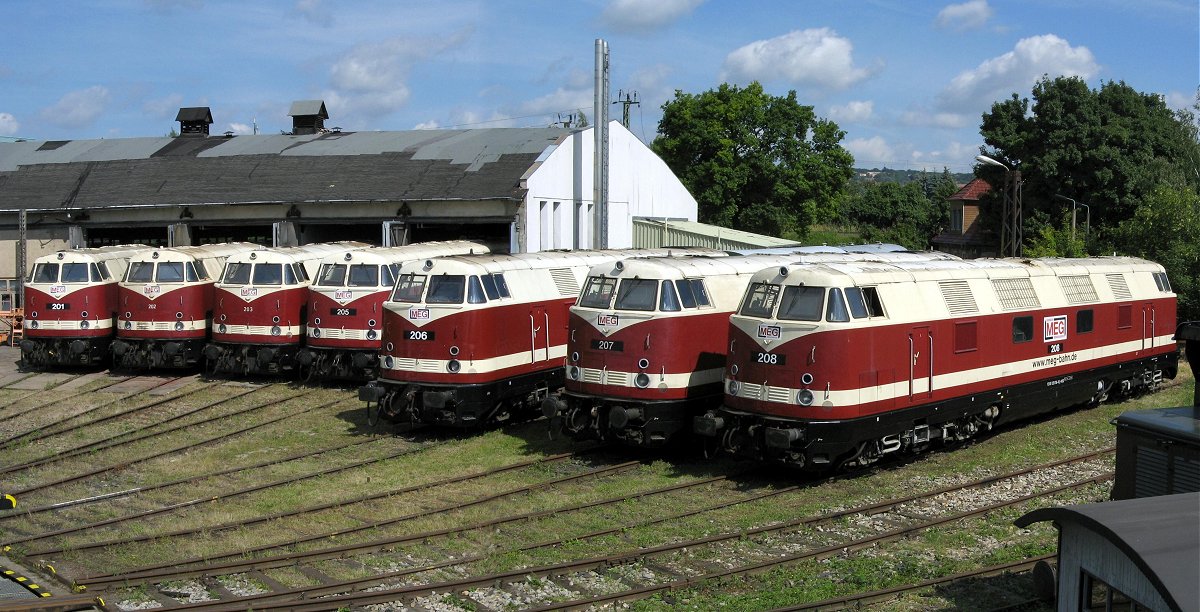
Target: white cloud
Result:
[[873, 151], [1180, 101], [966, 16], [432, 124], [9, 126], [855, 111], [815, 57], [166, 106], [561, 100], [645, 15], [239, 128], [371, 79], [1016, 72], [933, 119], [314, 12], [78, 108]]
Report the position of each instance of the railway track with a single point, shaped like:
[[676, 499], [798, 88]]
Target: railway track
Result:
[[672, 574]]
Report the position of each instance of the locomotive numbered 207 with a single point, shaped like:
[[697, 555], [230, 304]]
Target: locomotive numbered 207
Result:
[[471, 341], [648, 340], [70, 305], [166, 304], [840, 364], [261, 304]]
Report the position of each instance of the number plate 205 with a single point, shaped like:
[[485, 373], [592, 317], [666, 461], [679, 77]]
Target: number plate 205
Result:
[[770, 358]]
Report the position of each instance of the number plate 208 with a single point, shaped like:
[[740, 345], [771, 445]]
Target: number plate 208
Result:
[[770, 358]]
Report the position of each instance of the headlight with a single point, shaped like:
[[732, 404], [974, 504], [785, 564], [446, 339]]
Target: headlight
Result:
[[371, 334], [643, 363], [454, 351], [221, 328], [390, 347], [316, 320], [573, 372], [128, 325], [388, 362], [453, 366], [734, 369], [804, 397], [733, 387], [806, 378], [179, 326], [32, 324], [642, 380], [316, 332], [275, 330], [575, 356], [83, 325]]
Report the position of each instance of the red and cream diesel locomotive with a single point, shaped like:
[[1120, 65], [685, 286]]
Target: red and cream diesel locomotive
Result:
[[648, 339], [474, 341], [165, 305], [71, 303], [345, 306], [261, 307], [840, 364]]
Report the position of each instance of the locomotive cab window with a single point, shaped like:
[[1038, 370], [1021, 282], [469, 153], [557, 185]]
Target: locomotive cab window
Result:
[[1083, 321], [75, 273], [1022, 329], [364, 275], [140, 272], [836, 311], [800, 303], [760, 300], [289, 275], [489, 286], [169, 272], [598, 292], [300, 273], [475, 294], [409, 288], [237, 273], [331, 275], [102, 271], [636, 294], [1160, 279], [446, 289], [692, 293], [196, 273], [388, 277], [668, 300], [45, 273], [268, 274]]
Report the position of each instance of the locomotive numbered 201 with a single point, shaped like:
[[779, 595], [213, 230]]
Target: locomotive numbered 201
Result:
[[840, 364]]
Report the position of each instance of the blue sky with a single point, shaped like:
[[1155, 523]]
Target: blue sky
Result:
[[907, 80]]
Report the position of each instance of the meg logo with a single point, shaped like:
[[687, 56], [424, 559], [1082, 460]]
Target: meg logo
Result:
[[343, 294], [769, 331], [1054, 328], [418, 313], [607, 319]]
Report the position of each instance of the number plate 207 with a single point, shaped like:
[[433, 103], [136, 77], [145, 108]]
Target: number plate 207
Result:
[[770, 358], [608, 345]]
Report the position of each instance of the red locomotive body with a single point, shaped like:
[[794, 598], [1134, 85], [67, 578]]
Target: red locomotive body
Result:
[[166, 303], [345, 306], [70, 304], [841, 364], [471, 341], [261, 304]]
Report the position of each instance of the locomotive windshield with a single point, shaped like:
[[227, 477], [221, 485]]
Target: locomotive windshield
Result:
[[44, 273], [331, 275], [364, 275], [409, 288], [760, 300], [170, 272], [597, 292], [801, 303], [269, 274], [446, 289], [140, 272], [636, 294], [75, 273], [237, 273]]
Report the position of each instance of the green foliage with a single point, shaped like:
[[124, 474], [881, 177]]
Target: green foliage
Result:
[[1166, 229], [754, 161], [1046, 240], [910, 214]]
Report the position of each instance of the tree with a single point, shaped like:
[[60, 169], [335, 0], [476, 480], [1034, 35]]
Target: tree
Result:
[[909, 214], [754, 161], [1166, 228], [1109, 148]]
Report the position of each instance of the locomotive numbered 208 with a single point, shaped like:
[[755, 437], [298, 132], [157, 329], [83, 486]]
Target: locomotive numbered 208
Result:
[[345, 306], [471, 341], [70, 305], [166, 304], [261, 305], [840, 364], [649, 336]]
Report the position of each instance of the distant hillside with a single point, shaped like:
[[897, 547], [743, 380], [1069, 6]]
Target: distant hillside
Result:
[[888, 175]]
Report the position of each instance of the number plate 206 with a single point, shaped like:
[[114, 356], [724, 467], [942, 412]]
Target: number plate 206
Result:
[[770, 358], [418, 334]]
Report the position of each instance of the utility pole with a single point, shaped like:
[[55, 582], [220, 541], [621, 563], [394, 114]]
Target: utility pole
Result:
[[630, 98], [600, 171], [22, 254]]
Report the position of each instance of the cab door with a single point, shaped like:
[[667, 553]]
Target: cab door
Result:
[[920, 363], [539, 334]]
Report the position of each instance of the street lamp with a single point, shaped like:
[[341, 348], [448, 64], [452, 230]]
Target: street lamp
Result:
[[1010, 229], [1087, 211]]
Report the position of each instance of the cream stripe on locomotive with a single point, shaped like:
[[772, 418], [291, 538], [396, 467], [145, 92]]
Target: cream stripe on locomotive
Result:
[[259, 330], [136, 325], [67, 324], [617, 378], [900, 388], [341, 333], [474, 366]]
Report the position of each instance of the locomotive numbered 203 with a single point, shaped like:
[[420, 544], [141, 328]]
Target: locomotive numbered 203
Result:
[[472, 341], [840, 364], [70, 305]]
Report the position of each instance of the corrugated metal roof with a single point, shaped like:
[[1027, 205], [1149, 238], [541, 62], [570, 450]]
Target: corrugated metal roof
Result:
[[347, 166], [648, 233]]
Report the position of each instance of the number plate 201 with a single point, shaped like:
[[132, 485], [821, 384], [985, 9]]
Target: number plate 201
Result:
[[418, 334], [608, 345], [770, 358]]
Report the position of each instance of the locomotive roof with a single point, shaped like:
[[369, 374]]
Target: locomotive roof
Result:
[[297, 253], [878, 272], [204, 251], [408, 252], [681, 267], [475, 264], [104, 253]]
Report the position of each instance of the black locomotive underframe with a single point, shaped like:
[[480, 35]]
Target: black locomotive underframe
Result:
[[36, 352], [319, 363], [654, 424], [239, 358], [824, 443], [136, 353], [467, 405]]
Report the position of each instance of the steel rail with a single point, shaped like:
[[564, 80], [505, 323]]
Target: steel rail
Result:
[[61, 399]]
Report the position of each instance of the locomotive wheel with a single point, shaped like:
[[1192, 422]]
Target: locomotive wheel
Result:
[[373, 415]]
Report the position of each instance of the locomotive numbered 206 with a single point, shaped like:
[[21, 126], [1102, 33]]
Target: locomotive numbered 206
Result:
[[70, 305], [261, 305], [840, 364], [471, 341], [345, 306], [649, 336], [166, 304]]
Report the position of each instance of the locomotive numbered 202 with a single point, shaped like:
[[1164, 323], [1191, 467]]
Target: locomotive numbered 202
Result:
[[840, 364]]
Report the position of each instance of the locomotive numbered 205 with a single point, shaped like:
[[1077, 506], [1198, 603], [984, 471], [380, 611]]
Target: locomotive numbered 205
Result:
[[471, 341], [70, 305], [649, 336], [840, 364]]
